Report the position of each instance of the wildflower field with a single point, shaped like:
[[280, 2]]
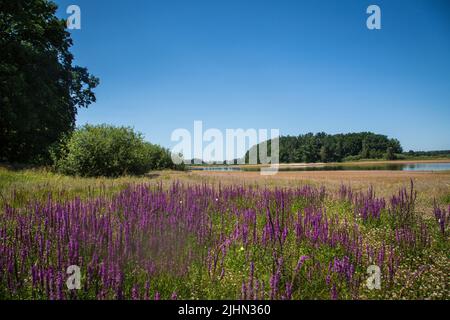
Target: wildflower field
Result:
[[178, 239]]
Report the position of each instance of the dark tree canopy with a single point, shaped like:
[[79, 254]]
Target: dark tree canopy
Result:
[[322, 147], [40, 88]]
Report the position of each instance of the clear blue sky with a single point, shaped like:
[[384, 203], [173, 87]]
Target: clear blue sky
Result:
[[298, 66]]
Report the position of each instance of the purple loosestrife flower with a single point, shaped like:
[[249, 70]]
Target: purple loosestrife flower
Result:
[[334, 293], [250, 285], [34, 276], [300, 263], [328, 279], [274, 280], [392, 264], [284, 234], [442, 218], [343, 268], [135, 292], [288, 295], [147, 290], [243, 291], [59, 287], [368, 207], [381, 255]]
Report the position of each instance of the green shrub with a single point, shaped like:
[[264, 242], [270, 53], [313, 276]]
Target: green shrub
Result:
[[352, 158], [390, 154], [109, 151]]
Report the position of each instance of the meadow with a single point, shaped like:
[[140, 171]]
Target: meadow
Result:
[[233, 235]]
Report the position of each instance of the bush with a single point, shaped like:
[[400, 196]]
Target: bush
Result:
[[108, 151], [352, 158], [390, 155]]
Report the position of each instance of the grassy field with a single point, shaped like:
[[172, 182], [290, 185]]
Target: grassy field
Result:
[[39, 183], [431, 185], [224, 235]]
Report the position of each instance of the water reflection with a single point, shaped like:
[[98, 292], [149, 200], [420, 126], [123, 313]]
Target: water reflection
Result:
[[362, 167]]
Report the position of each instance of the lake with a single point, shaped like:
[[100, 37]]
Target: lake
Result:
[[443, 166]]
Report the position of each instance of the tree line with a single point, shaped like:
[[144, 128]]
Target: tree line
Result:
[[40, 87], [41, 91], [322, 147]]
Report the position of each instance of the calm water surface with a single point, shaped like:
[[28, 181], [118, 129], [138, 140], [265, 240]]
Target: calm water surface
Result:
[[391, 167]]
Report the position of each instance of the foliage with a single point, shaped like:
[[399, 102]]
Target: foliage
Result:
[[335, 148], [390, 154], [105, 150], [40, 88], [427, 154]]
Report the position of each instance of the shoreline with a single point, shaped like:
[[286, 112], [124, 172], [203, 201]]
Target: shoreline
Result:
[[323, 164]]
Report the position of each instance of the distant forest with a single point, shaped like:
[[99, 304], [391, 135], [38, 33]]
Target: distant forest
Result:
[[426, 154], [322, 147]]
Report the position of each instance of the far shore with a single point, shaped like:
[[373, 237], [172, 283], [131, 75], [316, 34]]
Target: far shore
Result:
[[321, 164]]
